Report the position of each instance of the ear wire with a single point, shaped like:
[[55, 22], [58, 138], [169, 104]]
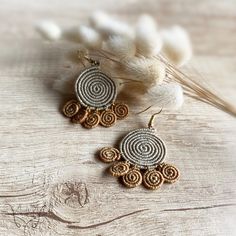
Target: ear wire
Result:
[[82, 56], [150, 123]]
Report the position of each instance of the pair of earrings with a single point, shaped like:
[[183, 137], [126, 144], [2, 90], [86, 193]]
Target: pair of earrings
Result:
[[140, 158]]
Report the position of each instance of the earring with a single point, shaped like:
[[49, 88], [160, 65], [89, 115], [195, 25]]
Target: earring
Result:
[[140, 159], [96, 94]]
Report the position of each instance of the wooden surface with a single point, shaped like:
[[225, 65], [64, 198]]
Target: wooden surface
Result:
[[45, 160]]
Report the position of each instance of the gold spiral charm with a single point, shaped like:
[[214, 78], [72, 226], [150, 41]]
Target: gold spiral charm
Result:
[[121, 110], [109, 154], [71, 108], [153, 179], [119, 169], [108, 118], [133, 178], [170, 173], [92, 120], [80, 116]]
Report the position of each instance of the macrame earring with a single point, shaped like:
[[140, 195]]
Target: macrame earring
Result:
[[96, 94], [140, 159]]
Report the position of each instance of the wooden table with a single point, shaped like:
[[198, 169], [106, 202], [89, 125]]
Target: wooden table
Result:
[[49, 175]]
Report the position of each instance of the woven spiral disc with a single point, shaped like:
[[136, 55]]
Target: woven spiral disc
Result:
[[143, 148], [71, 108], [108, 118], [95, 89], [92, 120], [170, 173], [119, 168], [109, 154], [133, 178], [80, 116], [153, 179], [121, 110]]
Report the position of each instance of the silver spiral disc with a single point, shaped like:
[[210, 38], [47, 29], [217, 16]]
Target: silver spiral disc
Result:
[[143, 148], [95, 89]]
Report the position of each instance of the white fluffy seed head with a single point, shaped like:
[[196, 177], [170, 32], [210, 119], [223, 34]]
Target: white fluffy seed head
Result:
[[120, 46], [89, 37], [148, 40], [109, 26], [166, 96], [148, 71], [49, 30], [176, 45], [98, 18]]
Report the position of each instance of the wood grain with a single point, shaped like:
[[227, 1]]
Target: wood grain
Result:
[[51, 181]]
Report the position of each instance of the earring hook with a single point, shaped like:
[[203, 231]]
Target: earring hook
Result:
[[91, 61], [81, 56], [150, 123]]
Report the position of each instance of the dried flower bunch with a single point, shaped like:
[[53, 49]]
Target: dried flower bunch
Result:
[[142, 59]]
